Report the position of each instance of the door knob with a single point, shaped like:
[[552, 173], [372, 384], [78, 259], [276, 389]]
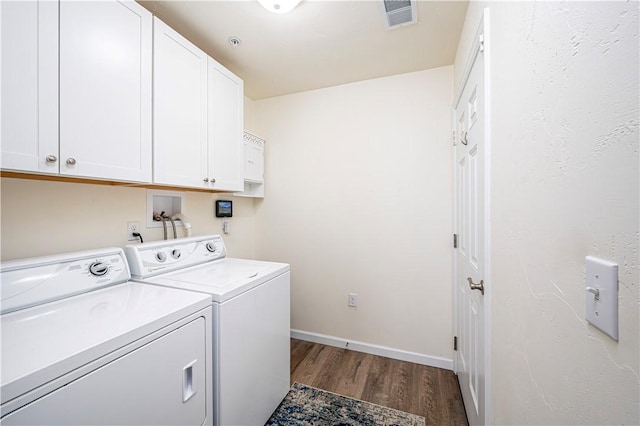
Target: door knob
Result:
[[475, 286], [51, 158], [71, 161]]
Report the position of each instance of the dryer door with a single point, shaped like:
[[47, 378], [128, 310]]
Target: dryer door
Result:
[[160, 383]]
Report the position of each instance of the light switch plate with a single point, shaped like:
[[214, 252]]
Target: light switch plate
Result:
[[602, 310]]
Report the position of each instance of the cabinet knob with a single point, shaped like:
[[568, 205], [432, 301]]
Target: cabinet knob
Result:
[[206, 179], [51, 158], [71, 161], [213, 180]]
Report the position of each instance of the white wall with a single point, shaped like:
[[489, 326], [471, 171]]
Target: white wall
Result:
[[41, 218], [565, 184], [249, 125], [358, 199]]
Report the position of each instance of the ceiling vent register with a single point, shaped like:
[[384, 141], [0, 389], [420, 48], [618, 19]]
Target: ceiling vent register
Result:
[[399, 13]]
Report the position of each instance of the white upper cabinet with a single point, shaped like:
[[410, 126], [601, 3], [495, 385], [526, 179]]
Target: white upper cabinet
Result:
[[80, 70], [225, 125], [180, 110], [105, 90], [29, 50], [198, 116]]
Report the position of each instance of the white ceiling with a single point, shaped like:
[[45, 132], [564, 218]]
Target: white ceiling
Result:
[[321, 43]]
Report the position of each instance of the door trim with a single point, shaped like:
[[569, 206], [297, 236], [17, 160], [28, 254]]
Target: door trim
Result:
[[485, 44]]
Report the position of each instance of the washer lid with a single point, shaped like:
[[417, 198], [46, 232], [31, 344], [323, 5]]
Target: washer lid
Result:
[[223, 279], [49, 340]]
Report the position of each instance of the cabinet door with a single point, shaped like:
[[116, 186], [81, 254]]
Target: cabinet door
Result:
[[162, 383], [180, 110], [105, 90], [29, 85], [226, 97]]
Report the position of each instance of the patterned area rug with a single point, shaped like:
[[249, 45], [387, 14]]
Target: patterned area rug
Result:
[[305, 405]]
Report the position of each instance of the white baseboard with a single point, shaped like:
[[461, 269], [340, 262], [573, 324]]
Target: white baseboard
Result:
[[368, 348]]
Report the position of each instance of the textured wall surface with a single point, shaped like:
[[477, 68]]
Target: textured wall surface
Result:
[[565, 184], [358, 199]]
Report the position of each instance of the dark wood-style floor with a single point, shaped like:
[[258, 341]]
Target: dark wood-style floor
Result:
[[418, 389]]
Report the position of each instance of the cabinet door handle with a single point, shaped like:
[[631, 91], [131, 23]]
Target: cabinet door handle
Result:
[[206, 179], [189, 387], [51, 158], [71, 161], [213, 180]]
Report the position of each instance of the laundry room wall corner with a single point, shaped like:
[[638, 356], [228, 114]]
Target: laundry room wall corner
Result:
[[359, 201]]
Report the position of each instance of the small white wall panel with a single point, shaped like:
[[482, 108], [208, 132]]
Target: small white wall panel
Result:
[[253, 158]]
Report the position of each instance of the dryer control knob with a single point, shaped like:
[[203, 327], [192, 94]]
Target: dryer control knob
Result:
[[176, 253], [161, 256], [212, 247], [98, 269]]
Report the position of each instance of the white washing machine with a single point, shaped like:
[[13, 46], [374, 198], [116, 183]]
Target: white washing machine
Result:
[[251, 320], [83, 345]]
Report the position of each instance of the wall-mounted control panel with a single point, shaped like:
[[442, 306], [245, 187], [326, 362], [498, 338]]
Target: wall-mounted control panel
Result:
[[224, 208]]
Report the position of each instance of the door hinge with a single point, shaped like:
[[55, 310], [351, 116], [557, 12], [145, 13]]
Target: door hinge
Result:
[[455, 240], [453, 137], [455, 343], [481, 40]]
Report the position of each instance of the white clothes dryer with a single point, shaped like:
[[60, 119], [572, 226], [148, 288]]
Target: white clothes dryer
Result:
[[251, 319], [81, 344]]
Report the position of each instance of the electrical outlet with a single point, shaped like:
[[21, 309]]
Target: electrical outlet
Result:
[[131, 228], [353, 300]]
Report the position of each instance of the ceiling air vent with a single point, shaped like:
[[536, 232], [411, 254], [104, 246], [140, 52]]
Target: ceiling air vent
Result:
[[398, 13]]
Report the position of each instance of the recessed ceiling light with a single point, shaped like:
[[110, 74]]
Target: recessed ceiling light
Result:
[[279, 6], [234, 41]]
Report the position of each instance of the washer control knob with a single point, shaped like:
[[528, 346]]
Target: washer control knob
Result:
[[176, 253], [98, 269], [212, 247], [161, 256]]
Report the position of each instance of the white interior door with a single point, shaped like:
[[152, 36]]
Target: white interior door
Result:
[[470, 279]]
